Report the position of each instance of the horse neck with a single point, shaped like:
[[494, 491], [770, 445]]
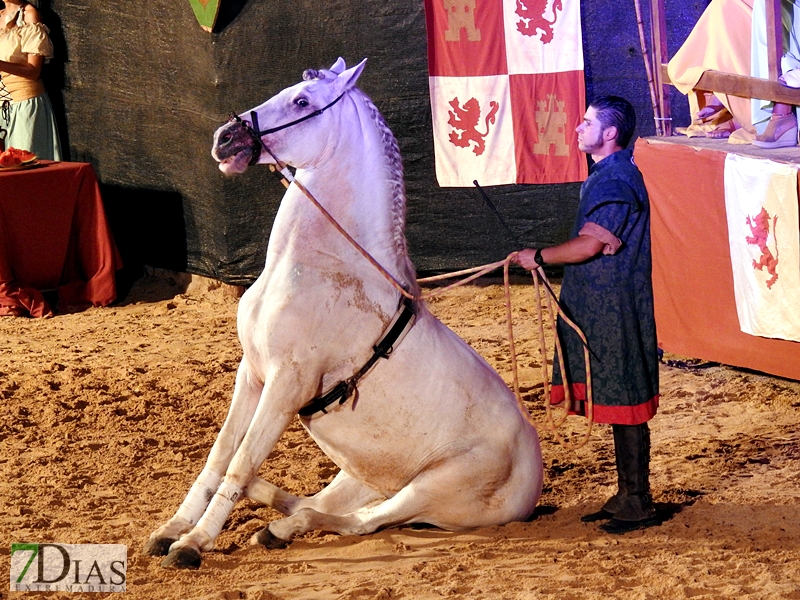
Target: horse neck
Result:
[[360, 183]]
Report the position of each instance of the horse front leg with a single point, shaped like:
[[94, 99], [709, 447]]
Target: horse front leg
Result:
[[407, 506], [341, 496], [271, 418], [243, 406]]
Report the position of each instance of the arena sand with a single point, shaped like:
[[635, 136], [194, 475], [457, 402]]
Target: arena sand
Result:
[[108, 415]]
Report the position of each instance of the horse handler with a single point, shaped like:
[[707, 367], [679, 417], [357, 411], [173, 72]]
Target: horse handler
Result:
[[607, 291]]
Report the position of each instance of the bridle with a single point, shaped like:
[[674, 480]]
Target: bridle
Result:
[[256, 134]]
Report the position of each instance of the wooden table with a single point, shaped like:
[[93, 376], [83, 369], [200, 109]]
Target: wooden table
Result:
[[54, 236], [692, 275]]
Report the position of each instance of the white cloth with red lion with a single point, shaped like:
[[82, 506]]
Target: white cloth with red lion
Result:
[[764, 236]]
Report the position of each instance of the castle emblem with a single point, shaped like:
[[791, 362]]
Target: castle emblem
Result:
[[461, 15], [551, 125]]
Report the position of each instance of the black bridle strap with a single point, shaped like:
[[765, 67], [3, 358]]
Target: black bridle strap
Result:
[[319, 111], [256, 135]]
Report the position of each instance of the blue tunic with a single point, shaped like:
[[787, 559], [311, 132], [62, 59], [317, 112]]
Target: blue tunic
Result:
[[610, 297]]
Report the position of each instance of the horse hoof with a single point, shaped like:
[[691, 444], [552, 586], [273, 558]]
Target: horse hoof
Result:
[[269, 541], [182, 558], [158, 546]]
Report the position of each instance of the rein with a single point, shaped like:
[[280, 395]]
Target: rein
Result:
[[550, 424], [404, 320]]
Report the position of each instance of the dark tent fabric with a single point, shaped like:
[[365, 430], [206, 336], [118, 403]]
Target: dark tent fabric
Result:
[[140, 87]]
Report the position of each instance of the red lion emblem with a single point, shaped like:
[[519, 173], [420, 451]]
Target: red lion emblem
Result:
[[759, 227], [532, 18], [466, 119]]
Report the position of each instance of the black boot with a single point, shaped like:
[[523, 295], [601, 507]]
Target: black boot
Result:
[[633, 505], [614, 504]]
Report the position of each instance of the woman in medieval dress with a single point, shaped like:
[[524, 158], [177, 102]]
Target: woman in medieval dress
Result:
[[730, 37], [26, 111]]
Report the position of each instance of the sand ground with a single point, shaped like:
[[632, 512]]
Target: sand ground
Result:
[[107, 416]]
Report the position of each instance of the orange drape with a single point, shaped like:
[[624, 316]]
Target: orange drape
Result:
[[692, 277]]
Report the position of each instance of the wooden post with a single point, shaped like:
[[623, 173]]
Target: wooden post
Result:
[[660, 57], [774, 38]]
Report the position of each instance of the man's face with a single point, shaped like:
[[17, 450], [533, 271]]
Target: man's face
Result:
[[590, 132]]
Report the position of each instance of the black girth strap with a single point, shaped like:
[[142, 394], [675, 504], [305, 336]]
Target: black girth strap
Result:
[[383, 349]]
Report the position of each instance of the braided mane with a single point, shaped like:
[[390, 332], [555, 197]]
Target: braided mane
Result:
[[397, 183]]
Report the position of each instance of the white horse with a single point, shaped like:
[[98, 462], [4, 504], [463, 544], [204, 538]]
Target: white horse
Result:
[[430, 434]]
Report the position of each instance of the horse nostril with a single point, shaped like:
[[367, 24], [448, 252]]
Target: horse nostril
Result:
[[225, 138]]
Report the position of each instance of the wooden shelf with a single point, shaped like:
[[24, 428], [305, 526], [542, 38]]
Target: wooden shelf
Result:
[[743, 86]]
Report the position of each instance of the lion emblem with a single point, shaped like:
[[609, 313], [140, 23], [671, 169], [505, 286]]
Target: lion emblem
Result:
[[759, 227], [466, 119], [532, 21]]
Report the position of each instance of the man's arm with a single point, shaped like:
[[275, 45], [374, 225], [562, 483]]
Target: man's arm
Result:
[[576, 250]]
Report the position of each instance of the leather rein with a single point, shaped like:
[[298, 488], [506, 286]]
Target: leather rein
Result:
[[400, 324]]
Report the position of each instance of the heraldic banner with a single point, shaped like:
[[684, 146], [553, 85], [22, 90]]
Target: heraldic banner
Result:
[[763, 223], [507, 90]]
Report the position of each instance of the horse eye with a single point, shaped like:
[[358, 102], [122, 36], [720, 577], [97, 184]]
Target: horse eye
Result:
[[301, 102]]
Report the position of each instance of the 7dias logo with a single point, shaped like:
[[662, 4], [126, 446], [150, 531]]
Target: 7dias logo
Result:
[[68, 567]]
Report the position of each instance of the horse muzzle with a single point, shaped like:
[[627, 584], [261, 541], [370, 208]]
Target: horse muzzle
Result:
[[234, 147]]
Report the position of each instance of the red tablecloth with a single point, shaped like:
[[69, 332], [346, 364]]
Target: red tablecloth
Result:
[[692, 275], [54, 236]]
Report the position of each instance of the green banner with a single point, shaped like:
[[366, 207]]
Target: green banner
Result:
[[206, 12]]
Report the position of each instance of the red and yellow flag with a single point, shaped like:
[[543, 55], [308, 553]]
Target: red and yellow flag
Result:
[[507, 90]]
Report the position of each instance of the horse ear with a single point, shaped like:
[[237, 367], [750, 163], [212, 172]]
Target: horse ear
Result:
[[338, 66], [348, 78]]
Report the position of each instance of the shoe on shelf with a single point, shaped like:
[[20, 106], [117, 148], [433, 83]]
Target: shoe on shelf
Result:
[[708, 111], [720, 133], [781, 132], [790, 78]]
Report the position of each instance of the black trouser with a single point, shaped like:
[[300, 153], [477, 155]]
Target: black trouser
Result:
[[632, 451]]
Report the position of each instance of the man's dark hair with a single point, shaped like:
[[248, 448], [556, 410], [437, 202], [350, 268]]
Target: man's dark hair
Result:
[[616, 111]]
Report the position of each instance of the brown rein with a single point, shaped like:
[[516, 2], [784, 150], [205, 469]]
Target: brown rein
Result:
[[538, 275]]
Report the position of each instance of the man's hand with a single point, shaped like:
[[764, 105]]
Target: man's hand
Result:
[[524, 259]]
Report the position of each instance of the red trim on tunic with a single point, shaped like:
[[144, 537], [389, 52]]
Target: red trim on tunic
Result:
[[617, 415], [600, 233]]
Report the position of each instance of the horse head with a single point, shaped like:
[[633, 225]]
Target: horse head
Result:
[[263, 135]]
